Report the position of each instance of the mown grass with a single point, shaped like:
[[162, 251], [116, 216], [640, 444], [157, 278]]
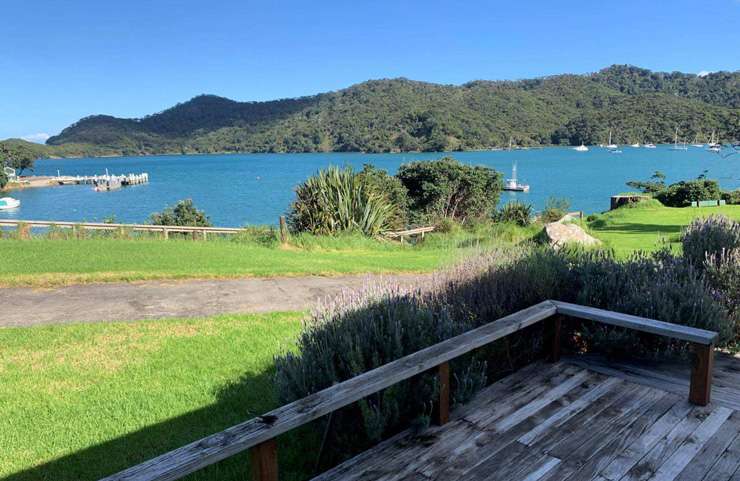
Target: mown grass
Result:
[[86, 400], [648, 225], [44, 262]]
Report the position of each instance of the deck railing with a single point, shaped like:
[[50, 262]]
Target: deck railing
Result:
[[259, 434]]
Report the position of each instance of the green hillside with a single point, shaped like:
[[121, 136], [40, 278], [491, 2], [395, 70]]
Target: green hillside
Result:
[[405, 115]]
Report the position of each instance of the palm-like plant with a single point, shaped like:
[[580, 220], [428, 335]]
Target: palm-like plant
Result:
[[337, 200]]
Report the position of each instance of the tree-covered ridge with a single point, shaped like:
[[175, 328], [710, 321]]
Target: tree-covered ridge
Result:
[[404, 115]]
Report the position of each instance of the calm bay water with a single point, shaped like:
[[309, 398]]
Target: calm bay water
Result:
[[236, 190]]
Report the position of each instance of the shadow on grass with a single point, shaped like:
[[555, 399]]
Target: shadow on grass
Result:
[[236, 403], [640, 228]]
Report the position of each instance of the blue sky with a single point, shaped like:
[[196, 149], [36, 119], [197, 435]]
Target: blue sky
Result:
[[61, 60]]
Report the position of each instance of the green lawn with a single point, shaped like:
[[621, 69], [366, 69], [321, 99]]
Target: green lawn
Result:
[[43, 262], [87, 400], [649, 226]]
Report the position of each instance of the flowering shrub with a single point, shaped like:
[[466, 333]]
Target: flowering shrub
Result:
[[710, 236]]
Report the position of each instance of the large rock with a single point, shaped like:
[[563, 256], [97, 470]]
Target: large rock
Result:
[[558, 234]]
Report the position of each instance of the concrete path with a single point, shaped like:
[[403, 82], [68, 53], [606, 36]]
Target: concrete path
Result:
[[161, 299]]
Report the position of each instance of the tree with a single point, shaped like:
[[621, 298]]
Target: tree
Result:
[[652, 186], [447, 189], [3, 176], [18, 156], [184, 213]]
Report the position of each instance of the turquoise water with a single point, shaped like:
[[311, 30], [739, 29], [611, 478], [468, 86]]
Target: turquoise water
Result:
[[236, 190]]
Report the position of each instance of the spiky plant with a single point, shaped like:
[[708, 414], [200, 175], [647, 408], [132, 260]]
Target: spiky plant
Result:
[[337, 200]]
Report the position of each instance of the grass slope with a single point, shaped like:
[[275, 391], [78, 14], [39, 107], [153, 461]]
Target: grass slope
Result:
[[649, 226], [42, 262], [87, 400]]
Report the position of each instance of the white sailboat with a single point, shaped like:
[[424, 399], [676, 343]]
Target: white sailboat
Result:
[[714, 145], [512, 184], [581, 148], [609, 144], [696, 143], [676, 146], [635, 145], [649, 145]]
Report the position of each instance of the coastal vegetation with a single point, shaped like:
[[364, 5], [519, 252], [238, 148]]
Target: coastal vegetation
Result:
[[338, 200], [372, 202], [18, 156], [403, 115], [184, 213]]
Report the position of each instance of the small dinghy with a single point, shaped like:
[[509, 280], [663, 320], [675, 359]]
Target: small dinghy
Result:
[[9, 203]]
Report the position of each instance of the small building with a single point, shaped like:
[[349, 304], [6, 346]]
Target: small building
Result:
[[10, 173]]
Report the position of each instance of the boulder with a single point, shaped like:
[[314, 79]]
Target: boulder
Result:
[[558, 234]]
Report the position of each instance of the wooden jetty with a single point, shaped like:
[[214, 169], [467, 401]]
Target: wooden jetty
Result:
[[559, 419], [105, 182]]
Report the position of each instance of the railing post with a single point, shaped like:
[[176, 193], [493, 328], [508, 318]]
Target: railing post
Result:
[[700, 390], [283, 230], [552, 340], [264, 461], [443, 405]]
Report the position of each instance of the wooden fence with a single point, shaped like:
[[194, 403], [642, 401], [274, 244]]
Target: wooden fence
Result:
[[165, 230], [259, 434]]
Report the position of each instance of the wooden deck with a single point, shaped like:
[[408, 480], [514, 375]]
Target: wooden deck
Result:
[[579, 419]]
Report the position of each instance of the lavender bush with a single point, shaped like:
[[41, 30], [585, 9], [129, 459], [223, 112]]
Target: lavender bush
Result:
[[710, 236]]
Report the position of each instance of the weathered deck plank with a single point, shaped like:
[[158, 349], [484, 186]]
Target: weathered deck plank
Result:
[[560, 422]]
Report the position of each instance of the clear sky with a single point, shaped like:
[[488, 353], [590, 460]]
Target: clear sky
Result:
[[61, 60]]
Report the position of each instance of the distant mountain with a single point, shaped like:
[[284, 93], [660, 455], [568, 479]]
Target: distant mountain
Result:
[[389, 115]]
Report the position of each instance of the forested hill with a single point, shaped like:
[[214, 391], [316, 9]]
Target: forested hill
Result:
[[405, 115]]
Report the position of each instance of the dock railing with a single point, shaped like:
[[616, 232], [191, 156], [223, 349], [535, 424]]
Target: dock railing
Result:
[[258, 434]]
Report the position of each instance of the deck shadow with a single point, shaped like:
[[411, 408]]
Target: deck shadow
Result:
[[112, 456]]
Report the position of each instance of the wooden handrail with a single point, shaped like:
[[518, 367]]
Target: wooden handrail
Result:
[[665, 329], [259, 433]]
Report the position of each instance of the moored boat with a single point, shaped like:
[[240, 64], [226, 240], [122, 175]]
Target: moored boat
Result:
[[9, 203], [581, 148], [513, 185]]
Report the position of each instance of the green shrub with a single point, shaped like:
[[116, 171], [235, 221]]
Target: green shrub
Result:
[[709, 236], [392, 190], [682, 194], [591, 217], [731, 196], [337, 200], [447, 189], [555, 209], [184, 213], [516, 212], [447, 226]]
